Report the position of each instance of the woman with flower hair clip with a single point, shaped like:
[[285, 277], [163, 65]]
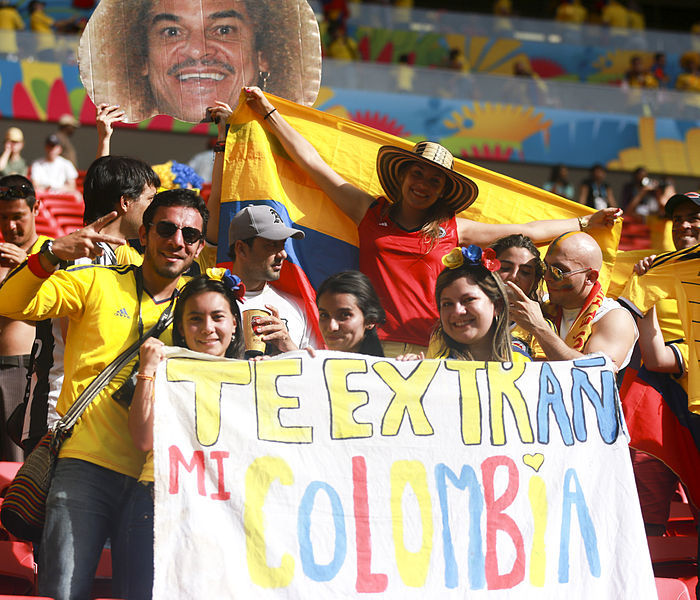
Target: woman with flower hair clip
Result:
[[473, 307], [206, 319], [404, 233]]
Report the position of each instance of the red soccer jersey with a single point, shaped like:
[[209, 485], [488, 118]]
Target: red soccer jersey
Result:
[[403, 269]]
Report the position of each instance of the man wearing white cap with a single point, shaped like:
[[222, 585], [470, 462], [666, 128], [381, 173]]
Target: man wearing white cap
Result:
[[257, 237]]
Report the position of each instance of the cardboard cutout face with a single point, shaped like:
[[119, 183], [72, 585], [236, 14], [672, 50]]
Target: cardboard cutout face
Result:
[[176, 57]]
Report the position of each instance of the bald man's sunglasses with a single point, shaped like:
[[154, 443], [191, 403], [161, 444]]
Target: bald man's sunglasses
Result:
[[166, 229], [558, 275], [16, 191]]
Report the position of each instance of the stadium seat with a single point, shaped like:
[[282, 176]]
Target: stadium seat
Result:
[[17, 568], [8, 470], [671, 589]]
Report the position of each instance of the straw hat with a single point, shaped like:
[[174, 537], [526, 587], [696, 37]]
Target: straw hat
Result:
[[459, 191]]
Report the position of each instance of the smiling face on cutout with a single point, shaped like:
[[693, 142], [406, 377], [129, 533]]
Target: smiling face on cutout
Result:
[[198, 56]]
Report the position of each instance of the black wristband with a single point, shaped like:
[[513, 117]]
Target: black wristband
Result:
[[268, 114], [219, 146]]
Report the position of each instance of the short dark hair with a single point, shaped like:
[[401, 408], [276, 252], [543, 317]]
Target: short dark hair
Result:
[[232, 247], [198, 285], [359, 285], [111, 177], [19, 181], [177, 197]]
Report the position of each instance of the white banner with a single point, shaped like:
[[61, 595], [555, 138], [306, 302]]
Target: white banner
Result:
[[345, 475]]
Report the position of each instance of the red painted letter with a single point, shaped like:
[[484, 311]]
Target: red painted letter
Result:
[[197, 461], [367, 581], [218, 456], [497, 520]]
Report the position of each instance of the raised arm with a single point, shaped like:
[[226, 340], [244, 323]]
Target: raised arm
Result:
[[107, 116], [657, 356], [141, 409], [483, 234], [353, 201], [220, 114]]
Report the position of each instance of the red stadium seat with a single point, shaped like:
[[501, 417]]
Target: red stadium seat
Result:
[[671, 589], [8, 470], [17, 568]]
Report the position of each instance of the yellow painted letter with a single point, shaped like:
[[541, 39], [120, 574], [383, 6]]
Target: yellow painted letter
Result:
[[502, 387], [269, 403], [261, 473], [344, 402], [408, 396], [469, 401], [537, 492], [208, 376], [413, 566]]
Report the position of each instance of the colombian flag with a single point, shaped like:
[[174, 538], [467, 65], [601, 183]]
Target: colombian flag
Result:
[[258, 170]]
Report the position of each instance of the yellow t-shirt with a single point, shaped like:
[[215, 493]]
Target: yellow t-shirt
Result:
[[102, 306], [674, 275]]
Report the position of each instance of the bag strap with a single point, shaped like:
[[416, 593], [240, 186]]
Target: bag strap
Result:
[[66, 423]]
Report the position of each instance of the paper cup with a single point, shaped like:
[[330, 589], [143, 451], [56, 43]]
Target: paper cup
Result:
[[254, 346]]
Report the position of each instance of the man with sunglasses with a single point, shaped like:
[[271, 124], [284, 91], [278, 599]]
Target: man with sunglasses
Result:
[[18, 210], [109, 308], [586, 321], [112, 183]]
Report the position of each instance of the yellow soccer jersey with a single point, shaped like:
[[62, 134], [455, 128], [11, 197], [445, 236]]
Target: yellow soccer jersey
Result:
[[675, 275], [102, 306]]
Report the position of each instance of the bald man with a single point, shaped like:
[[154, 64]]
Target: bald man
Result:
[[586, 321]]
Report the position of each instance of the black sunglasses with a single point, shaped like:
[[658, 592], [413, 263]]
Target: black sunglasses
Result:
[[16, 191], [166, 229]]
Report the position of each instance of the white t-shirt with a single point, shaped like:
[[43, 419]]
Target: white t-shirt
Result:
[[53, 175], [293, 315]]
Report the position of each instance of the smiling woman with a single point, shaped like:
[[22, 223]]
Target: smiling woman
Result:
[[163, 57], [404, 233], [207, 319]]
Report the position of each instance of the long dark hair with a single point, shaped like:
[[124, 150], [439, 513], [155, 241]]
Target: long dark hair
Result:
[[518, 240], [490, 282], [199, 285], [359, 285]]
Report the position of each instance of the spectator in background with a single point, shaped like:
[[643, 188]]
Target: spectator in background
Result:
[[18, 210], [341, 46], [689, 81], [404, 74], [635, 16], [67, 124], [638, 77], [595, 191], [614, 14], [42, 26], [53, 172], [559, 182], [335, 13], [457, 61], [571, 11], [658, 69], [11, 161], [643, 196], [10, 22], [201, 163]]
